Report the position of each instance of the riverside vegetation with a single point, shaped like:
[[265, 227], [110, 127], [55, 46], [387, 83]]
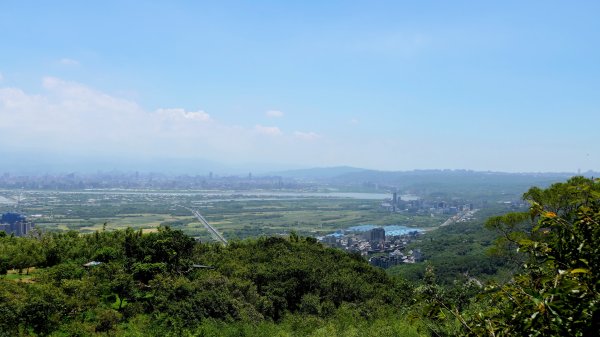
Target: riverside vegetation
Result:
[[538, 277]]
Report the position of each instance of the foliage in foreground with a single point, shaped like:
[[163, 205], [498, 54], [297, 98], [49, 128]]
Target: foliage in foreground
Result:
[[557, 293], [159, 283], [165, 283]]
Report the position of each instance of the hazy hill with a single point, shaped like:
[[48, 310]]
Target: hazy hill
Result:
[[344, 175], [321, 173]]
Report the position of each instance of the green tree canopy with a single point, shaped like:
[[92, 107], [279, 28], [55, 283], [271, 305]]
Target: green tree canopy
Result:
[[557, 292]]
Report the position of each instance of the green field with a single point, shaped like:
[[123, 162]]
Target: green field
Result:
[[236, 216]]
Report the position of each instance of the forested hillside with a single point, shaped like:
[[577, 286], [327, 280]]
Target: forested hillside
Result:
[[165, 283]]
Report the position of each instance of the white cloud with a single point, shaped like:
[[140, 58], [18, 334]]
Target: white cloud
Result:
[[67, 115], [307, 135], [76, 95], [68, 62], [268, 130], [72, 118], [181, 114], [353, 121], [1, 77], [274, 113]]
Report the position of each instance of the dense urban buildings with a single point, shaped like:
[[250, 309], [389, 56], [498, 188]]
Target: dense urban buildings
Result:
[[381, 250]]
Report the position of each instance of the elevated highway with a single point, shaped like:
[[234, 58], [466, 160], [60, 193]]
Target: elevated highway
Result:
[[213, 232]]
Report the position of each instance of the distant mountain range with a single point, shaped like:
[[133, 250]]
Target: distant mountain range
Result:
[[321, 172], [428, 179], [43, 163], [348, 172]]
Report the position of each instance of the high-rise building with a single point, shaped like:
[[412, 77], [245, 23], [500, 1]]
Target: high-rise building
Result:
[[15, 223], [377, 235]]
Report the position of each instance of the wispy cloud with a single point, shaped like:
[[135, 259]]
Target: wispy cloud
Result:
[[274, 113], [268, 130], [308, 136], [181, 114], [1, 77], [68, 62], [353, 121]]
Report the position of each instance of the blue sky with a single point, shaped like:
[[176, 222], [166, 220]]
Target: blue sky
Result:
[[394, 85]]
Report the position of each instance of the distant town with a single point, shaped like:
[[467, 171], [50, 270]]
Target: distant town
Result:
[[389, 249]]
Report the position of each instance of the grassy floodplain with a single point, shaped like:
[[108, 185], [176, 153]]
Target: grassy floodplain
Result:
[[236, 215]]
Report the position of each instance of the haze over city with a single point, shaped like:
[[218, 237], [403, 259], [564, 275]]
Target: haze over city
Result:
[[267, 85]]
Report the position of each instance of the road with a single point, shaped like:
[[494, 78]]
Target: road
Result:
[[458, 217], [213, 232]]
